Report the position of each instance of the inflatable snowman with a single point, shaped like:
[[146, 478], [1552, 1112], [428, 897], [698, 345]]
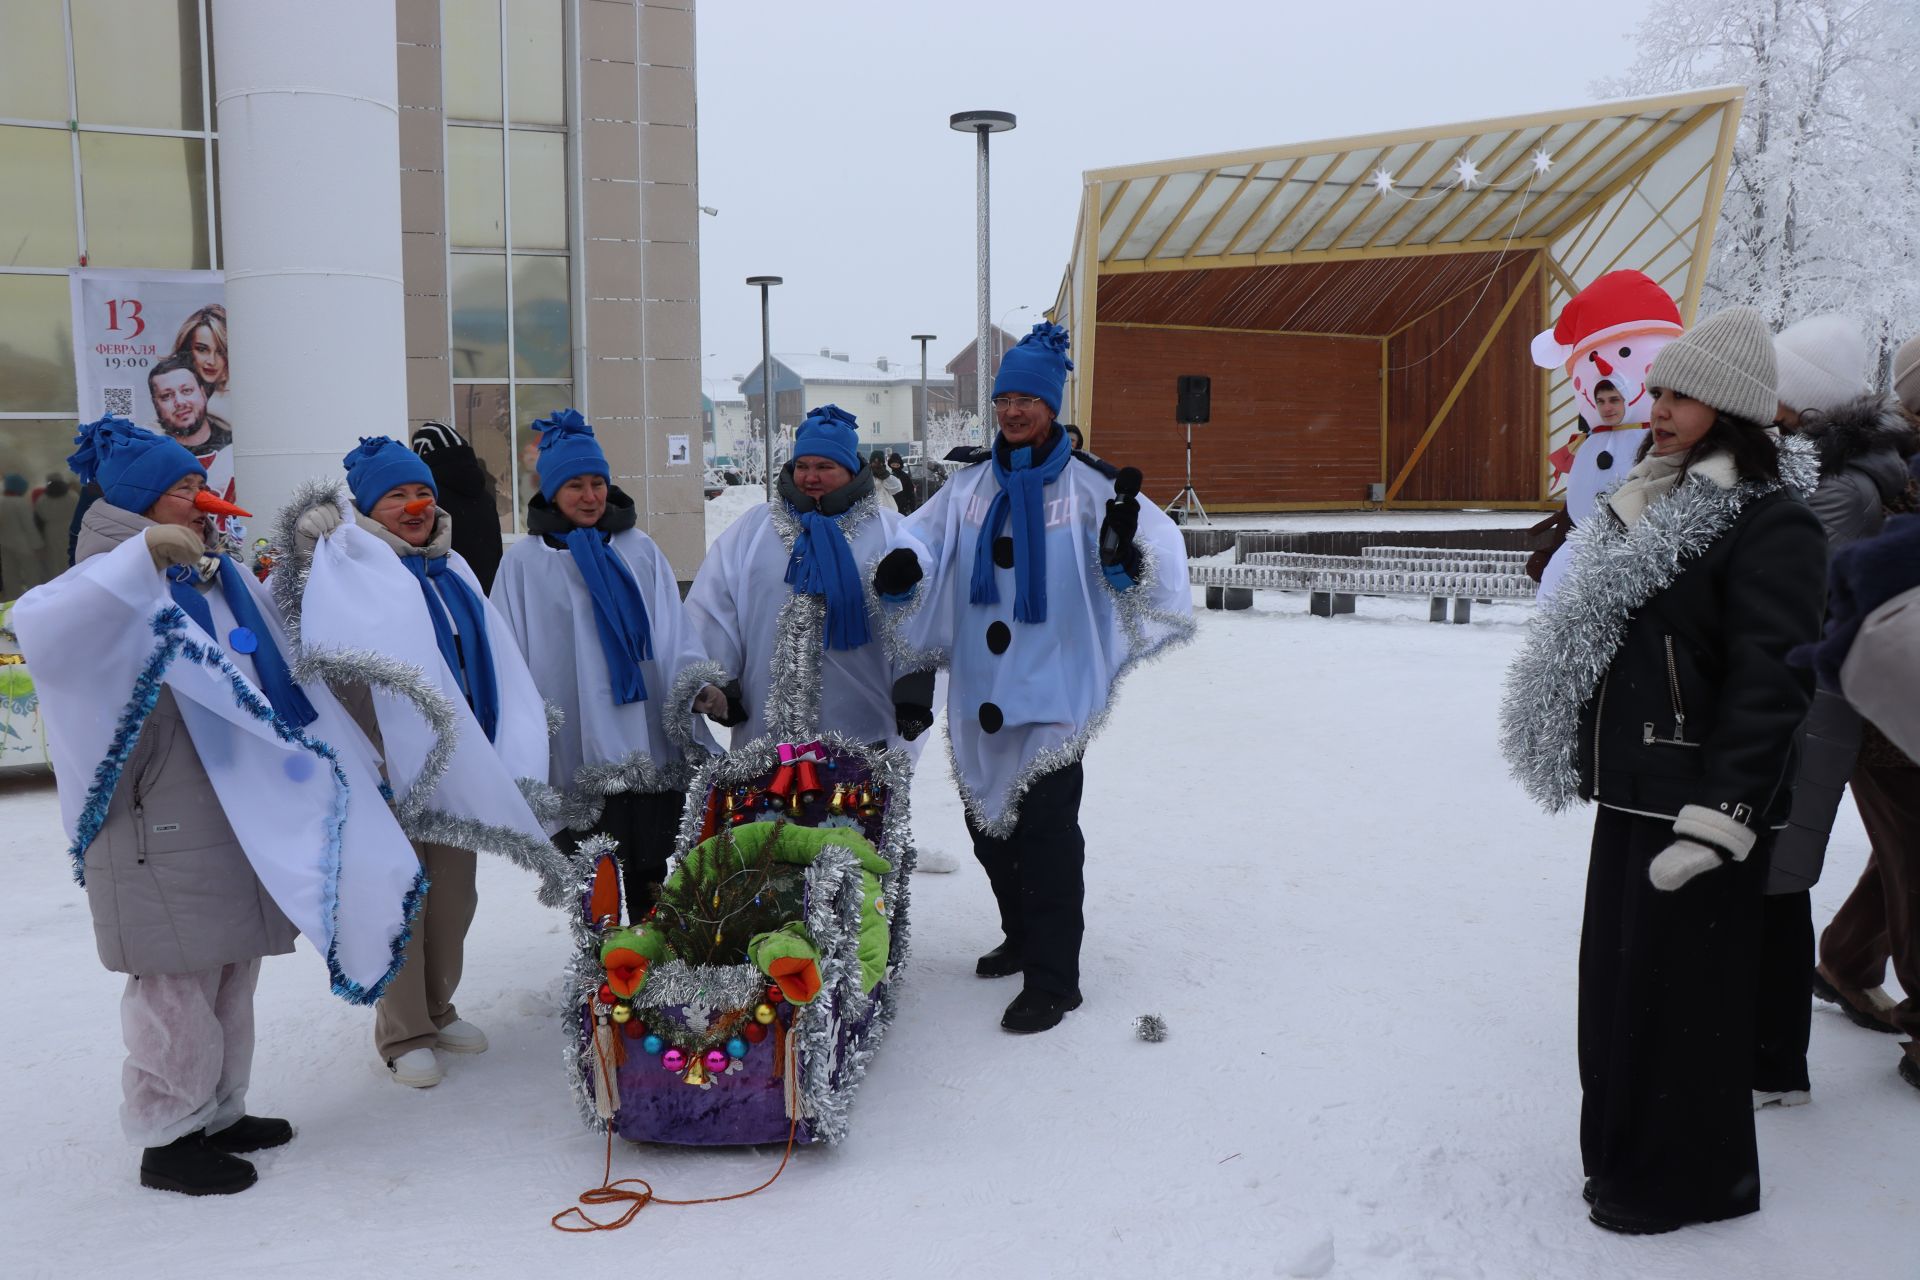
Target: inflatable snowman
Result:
[[1605, 339]]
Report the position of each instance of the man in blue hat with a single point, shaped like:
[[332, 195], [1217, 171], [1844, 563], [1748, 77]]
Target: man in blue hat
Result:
[[1044, 582]]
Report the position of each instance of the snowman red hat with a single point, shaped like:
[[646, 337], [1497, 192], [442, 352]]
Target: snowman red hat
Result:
[[1620, 304]]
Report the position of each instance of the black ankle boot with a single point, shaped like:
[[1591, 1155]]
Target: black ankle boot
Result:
[[1034, 1010], [251, 1133], [188, 1165], [1003, 961]]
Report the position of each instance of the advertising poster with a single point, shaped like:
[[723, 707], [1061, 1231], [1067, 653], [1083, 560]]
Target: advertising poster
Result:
[[152, 346]]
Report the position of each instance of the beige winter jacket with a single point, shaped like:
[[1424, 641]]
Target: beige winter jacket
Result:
[[170, 888]]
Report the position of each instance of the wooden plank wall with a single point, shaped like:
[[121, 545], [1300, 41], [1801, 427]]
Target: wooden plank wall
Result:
[[1295, 419], [1488, 450]]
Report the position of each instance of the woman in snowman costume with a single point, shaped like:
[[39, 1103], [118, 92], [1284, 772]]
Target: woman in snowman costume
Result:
[[213, 802], [398, 624], [595, 609], [782, 598], [1041, 583]]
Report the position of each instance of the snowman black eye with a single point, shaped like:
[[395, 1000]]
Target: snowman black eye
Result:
[[1593, 357], [1625, 352]]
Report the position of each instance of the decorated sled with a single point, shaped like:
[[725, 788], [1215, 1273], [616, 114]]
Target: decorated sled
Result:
[[744, 1009]]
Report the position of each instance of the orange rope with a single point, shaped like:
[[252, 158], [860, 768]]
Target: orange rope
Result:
[[619, 1192]]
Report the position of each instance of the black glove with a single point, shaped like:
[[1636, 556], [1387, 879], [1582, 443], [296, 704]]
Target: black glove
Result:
[[736, 709], [913, 704], [1121, 523], [897, 574]]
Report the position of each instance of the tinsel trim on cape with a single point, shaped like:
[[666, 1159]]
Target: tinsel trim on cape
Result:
[[1134, 610], [169, 626], [1615, 570], [335, 667]]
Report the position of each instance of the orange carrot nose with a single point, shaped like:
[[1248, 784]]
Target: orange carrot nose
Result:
[[417, 506], [214, 505]]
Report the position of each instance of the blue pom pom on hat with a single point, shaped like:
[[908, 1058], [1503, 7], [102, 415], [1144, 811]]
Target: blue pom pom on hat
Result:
[[132, 466], [567, 449], [832, 433], [381, 464], [1037, 365]]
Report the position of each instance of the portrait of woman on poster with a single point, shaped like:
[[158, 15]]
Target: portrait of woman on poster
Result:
[[203, 340]]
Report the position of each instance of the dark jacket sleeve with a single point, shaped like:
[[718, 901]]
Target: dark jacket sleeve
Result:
[[1847, 503], [1775, 589]]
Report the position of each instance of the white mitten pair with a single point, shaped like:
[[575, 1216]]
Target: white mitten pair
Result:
[[1707, 838]]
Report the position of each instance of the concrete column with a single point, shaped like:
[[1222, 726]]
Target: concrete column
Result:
[[310, 217]]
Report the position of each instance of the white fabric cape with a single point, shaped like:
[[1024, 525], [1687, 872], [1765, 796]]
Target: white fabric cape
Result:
[[305, 804], [604, 747], [737, 602], [1055, 681], [359, 596]]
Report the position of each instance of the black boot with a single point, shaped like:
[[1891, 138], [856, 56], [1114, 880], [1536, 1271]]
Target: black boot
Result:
[[1034, 1010], [251, 1133], [188, 1165], [1003, 961]]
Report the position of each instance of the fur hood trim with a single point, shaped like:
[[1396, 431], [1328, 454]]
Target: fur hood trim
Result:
[[1866, 425]]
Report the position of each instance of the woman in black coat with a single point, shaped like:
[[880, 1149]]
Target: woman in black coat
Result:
[[1656, 684]]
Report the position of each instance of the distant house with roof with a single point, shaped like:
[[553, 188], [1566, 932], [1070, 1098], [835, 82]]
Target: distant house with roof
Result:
[[884, 395], [729, 428]]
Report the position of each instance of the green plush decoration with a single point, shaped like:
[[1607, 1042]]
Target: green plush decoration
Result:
[[789, 958]]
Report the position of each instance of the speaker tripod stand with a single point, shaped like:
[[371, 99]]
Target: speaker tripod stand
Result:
[[1186, 504]]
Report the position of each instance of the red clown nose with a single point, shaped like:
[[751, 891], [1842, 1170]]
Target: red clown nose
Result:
[[417, 506], [214, 505]]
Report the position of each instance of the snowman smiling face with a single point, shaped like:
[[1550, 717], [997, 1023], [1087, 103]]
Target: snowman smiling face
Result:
[[1620, 360]]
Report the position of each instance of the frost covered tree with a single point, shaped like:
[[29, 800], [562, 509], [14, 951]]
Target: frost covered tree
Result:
[[1824, 190]]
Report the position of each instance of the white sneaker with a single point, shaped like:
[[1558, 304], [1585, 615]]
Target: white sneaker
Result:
[[937, 862], [1780, 1098], [461, 1036], [416, 1069]]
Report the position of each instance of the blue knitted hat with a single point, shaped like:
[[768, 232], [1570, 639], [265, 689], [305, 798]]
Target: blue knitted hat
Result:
[[379, 466], [567, 449], [829, 432], [1037, 366], [133, 466]]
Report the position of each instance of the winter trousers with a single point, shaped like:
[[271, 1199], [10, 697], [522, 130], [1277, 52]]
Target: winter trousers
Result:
[[1666, 1028], [1037, 874], [189, 1051], [646, 823], [419, 999], [1879, 919], [1783, 996]]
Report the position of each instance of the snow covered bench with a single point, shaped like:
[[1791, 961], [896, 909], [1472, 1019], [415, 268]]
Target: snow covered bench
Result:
[[1332, 588]]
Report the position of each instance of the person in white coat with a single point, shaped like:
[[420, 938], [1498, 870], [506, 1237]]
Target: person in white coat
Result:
[[211, 800], [782, 598], [388, 584], [1042, 583], [596, 611]]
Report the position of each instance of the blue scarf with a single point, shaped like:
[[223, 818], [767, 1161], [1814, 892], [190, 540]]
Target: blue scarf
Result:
[[619, 612], [822, 565], [1021, 497], [269, 668], [476, 677]]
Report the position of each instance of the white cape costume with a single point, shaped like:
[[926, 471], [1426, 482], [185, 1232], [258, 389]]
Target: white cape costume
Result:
[[1026, 699], [305, 804]]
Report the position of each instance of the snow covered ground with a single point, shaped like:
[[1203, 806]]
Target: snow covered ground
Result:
[[1303, 854]]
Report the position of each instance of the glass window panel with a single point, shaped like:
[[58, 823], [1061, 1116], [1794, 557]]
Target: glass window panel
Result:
[[138, 63], [533, 401], [37, 448], [36, 345], [536, 75], [477, 283], [33, 61], [470, 58], [145, 201], [539, 189], [482, 413], [476, 217], [36, 199], [542, 346]]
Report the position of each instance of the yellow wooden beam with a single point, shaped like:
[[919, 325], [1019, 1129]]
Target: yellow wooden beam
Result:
[[1386, 407], [1624, 200], [1359, 219], [1634, 171], [1440, 205], [1545, 468], [1108, 209], [1138, 214], [1412, 504], [1411, 201], [1658, 219], [1138, 266], [1505, 175], [1466, 375], [1710, 216], [1218, 214], [1257, 333], [1086, 319], [1498, 215], [1334, 207], [1180, 217], [1591, 164], [1560, 274], [1305, 200], [1266, 201]]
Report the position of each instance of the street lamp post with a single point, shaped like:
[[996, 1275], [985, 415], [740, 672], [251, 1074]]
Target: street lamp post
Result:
[[982, 123], [926, 408], [766, 374]]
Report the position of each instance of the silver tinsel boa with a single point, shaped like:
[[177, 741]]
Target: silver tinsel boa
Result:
[[1615, 570]]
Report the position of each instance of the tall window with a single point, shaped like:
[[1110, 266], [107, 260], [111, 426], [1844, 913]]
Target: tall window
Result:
[[504, 72], [107, 159]]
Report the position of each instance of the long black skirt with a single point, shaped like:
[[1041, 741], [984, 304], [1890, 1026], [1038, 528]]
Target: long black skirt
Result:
[[1667, 989]]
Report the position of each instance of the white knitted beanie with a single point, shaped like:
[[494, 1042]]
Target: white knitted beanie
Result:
[[1823, 363], [1725, 361]]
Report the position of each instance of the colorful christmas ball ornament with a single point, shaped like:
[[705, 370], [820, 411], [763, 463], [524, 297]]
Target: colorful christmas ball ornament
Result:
[[674, 1060], [606, 994], [763, 1014], [754, 1032], [737, 1048], [622, 1012], [634, 1029], [653, 1044], [716, 1060]]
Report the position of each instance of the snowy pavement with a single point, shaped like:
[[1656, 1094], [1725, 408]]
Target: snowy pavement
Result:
[[1303, 854]]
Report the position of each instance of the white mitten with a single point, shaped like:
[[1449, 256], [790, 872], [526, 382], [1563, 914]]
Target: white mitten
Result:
[[316, 523], [1680, 862]]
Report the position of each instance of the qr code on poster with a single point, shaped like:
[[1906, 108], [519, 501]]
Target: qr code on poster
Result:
[[117, 401]]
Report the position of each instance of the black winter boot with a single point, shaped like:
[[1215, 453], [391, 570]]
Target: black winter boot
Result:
[[1003, 961], [188, 1165], [1034, 1010], [251, 1133]]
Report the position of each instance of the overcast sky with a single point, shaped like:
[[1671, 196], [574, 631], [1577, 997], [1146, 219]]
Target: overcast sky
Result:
[[825, 147]]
